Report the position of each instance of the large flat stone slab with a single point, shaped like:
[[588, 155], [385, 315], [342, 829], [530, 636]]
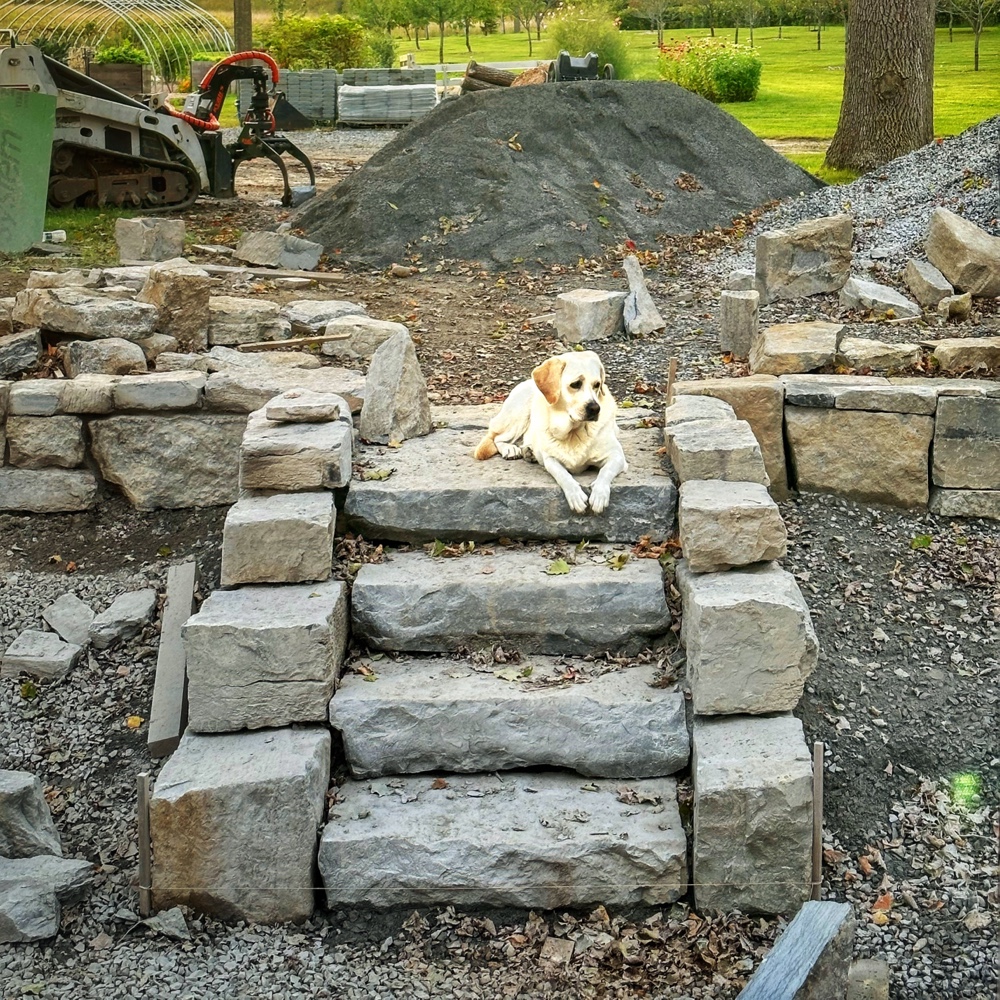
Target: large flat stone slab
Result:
[[436, 489], [532, 841], [248, 389], [871, 457], [430, 714], [233, 821], [417, 603], [88, 314], [47, 491], [967, 443], [41, 654], [749, 637], [295, 457], [182, 460], [966, 503], [284, 538], [789, 348], [265, 656], [752, 815]]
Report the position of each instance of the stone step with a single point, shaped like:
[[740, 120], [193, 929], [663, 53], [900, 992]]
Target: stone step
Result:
[[417, 603], [434, 714], [438, 490], [536, 841]]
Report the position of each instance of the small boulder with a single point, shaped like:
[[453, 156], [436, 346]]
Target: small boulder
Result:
[[303, 406], [396, 405], [807, 259], [6, 321], [859, 294], [41, 654], [738, 322], [60, 279], [967, 353], [32, 891], [741, 280], [147, 239], [640, 312], [233, 320], [311, 316], [859, 352], [84, 312], [793, 348], [955, 307], [45, 442], [71, 618], [26, 827], [278, 250], [965, 254], [113, 356], [586, 314], [928, 285], [124, 619], [19, 352], [181, 292], [365, 336]]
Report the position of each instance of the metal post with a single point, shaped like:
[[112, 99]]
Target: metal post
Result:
[[817, 852], [145, 852]]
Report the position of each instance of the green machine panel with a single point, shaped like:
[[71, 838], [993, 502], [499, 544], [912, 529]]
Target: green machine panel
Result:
[[27, 124]]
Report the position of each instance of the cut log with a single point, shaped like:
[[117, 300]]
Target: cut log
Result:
[[530, 77], [489, 74], [470, 84]]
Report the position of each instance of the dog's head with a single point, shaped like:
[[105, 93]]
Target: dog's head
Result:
[[573, 382]]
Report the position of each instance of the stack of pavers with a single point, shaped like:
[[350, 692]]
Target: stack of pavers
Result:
[[386, 96], [750, 647]]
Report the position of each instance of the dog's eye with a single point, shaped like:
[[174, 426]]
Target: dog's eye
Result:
[[597, 385], [577, 384]]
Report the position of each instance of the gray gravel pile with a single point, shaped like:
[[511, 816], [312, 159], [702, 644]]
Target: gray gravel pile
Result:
[[892, 207]]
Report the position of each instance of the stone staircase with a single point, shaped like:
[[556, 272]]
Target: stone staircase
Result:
[[507, 738]]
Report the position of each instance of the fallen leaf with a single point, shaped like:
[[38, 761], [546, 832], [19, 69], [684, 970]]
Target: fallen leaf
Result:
[[134, 721], [618, 561], [558, 567], [438, 783], [880, 918], [977, 920], [884, 902]]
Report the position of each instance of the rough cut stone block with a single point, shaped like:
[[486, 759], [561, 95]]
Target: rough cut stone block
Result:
[[960, 353], [19, 352], [224, 359], [586, 314], [789, 348], [41, 654], [89, 314], [752, 815], [888, 398], [311, 316], [172, 361], [90, 278], [71, 618], [397, 406], [965, 254], [823, 391], [685, 409], [749, 637], [46, 491], [640, 313], [233, 821], [303, 406], [146, 239], [955, 307], [966, 503], [44, 442], [807, 259], [723, 525], [365, 336], [32, 891], [243, 391], [294, 457], [738, 317], [759, 400], [438, 715], [871, 457], [88, 394], [420, 604], [530, 841], [26, 827], [125, 618], [859, 352], [156, 344], [160, 391], [868, 979], [174, 461], [285, 538], [113, 356], [928, 285], [438, 490], [36, 397], [233, 320], [6, 320], [181, 292], [741, 280], [979, 387], [278, 250], [716, 449], [860, 294], [967, 443], [265, 656]]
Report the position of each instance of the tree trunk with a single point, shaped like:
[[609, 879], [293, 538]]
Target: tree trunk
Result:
[[888, 106], [538, 27], [490, 74], [979, 31], [736, 40], [517, 25], [416, 35], [503, 24], [951, 26], [468, 47], [779, 29], [441, 42]]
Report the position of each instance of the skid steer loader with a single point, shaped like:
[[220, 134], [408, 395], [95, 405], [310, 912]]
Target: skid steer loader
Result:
[[108, 149]]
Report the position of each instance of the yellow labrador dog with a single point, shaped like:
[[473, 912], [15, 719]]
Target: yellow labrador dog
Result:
[[563, 417]]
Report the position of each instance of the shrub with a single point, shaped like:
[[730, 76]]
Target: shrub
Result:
[[172, 59], [380, 49], [329, 41], [589, 26], [120, 52], [717, 70], [53, 46]]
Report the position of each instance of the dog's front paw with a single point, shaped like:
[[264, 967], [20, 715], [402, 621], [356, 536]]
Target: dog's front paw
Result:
[[509, 451], [576, 498], [600, 495]]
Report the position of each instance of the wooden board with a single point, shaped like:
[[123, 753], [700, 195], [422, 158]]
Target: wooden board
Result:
[[168, 713], [323, 277]]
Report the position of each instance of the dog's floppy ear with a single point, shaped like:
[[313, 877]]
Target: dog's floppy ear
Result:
[[547, 377]]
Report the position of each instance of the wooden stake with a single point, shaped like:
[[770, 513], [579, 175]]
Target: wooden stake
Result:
[[145, 849], [671, 378], [817, 853], [291, 345]]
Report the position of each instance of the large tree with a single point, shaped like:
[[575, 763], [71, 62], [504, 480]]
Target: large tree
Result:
[[888, 106]]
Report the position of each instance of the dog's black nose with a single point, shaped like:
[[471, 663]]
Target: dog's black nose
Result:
[[591, 411]]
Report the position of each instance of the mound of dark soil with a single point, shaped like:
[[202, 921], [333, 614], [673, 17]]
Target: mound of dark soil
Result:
[[551, 173]]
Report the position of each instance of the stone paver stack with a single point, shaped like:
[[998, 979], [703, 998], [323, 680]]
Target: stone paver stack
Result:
[[750, 647]]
